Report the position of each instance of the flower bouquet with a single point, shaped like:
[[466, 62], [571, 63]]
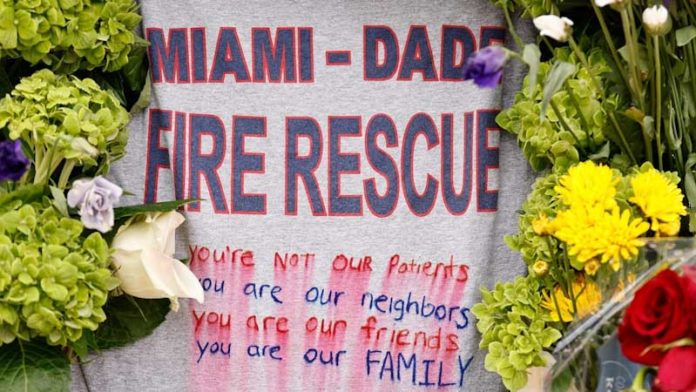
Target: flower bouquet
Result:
[[78, 273], [607, 114]]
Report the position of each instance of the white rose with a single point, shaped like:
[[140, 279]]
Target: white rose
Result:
[[142, 255], [554, 27], [537, 375]]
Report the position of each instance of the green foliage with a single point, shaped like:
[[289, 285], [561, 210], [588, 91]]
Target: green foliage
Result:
[[68, 35], [63, 117], [129, 319], [541, 201], [515, 329], [576, 130], [165, 206], [529, 8], [53, 281], [33, 366]]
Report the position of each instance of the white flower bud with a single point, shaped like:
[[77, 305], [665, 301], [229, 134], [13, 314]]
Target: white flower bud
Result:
[[558, 28], [615, 4], [656, 20]]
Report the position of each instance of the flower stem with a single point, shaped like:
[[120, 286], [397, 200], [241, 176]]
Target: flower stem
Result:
[[511, 28], [633, 65], [555, 303], [583, 60], [83, 376], [658, 100], [65, 173], [570, 276], [565, 124], [639, 381], [610, 43], [581, 115]]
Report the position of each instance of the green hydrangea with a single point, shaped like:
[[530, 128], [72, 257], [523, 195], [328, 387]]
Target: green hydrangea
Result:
[[53, 282], [68, 35], [545, 141], [62, 117], [542, 201], [515, 329]]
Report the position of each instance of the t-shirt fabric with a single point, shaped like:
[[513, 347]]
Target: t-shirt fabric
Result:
[[354, 194]]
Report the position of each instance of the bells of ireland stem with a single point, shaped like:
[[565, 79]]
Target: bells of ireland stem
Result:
[[656, 20], [552, 26]]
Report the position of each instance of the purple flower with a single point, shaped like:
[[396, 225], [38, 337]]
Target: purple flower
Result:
[[485, 67], [95, 198], [13, 162]]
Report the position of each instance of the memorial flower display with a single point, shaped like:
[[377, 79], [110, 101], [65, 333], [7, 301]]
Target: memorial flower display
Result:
[[74, 261], [606, 116]]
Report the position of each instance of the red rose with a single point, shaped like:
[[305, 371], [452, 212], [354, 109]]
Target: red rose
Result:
[[657, 315], [677, 372], [690, 278]]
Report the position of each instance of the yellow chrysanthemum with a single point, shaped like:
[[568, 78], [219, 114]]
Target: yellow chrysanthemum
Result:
[[622, 242], [660, 200], [542, 226], [591, 267], [588, 185], [587, 301], [540, 268], [576, 227], [611, 237]]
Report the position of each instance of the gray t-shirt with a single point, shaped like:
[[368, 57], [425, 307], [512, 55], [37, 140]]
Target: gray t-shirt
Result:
[[356, 192]]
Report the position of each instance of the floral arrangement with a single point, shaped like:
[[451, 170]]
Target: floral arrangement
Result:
[[78, 273], [606, 113]]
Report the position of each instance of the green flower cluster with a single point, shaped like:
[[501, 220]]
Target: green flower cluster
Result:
[[62, 117], [514, 329], [542, 201], [571, 131], [53, 282], [68, 35]]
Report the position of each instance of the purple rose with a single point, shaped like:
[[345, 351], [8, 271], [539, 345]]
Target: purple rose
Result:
[[485, 67], [13, 162], [95, 198]]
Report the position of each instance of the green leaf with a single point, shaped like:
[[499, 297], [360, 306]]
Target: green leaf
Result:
[[86, 343], [129, 319], [33, 367], [685, 35], [643, 63], [59, 201], [560, 72], [144, 98], [550, 336], [517, 381], [690, 190], [692, 220], [602, 154], [27, 194], [532, 55], [166, 206], [135, 71], [5, 83]]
